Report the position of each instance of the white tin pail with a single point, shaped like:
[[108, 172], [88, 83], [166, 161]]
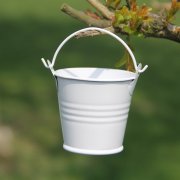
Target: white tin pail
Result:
[[94, 103]]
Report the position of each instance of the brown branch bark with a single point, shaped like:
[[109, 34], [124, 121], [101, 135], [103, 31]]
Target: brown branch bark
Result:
[[94, 32], [81, 16], [102, 9], [161, 29], [160, 5], [158, 28], [171, 32]]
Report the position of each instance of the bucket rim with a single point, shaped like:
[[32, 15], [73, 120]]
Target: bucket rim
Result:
[[131, 75]]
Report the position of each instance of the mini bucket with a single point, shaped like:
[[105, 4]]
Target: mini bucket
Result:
[[94, 103]]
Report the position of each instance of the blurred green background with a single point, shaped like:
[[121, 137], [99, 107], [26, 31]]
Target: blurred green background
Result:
[[30, 132]]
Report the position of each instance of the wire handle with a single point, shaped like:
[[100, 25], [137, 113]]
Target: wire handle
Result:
[[50, 65]]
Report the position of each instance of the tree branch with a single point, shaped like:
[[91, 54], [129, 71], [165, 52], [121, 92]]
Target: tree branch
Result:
[[102, 9], [81, 16], [94, 32], [160, 5], [158, 28], [172, 32]]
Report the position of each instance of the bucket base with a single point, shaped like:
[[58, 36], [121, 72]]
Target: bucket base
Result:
[[92, 152]]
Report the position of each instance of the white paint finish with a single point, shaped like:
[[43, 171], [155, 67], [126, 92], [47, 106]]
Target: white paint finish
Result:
[[95, 74], [93, 114], [94, 103], [93, 152]]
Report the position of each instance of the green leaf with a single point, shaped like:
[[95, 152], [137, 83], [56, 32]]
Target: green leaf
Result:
[[122, 61], [129, 63], [116, 3], [128, 30], [113, 3], [127, 17], [140, 34], [120, 18]]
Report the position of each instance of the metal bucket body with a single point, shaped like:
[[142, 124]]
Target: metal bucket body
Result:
[[94, 105]]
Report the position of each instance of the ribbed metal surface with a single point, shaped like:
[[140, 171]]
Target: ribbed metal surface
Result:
[[94, 113]]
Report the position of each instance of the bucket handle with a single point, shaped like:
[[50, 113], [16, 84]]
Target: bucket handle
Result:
[[50, 65]]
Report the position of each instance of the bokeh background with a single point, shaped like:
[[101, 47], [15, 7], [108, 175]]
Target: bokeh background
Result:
[[30, 131]]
